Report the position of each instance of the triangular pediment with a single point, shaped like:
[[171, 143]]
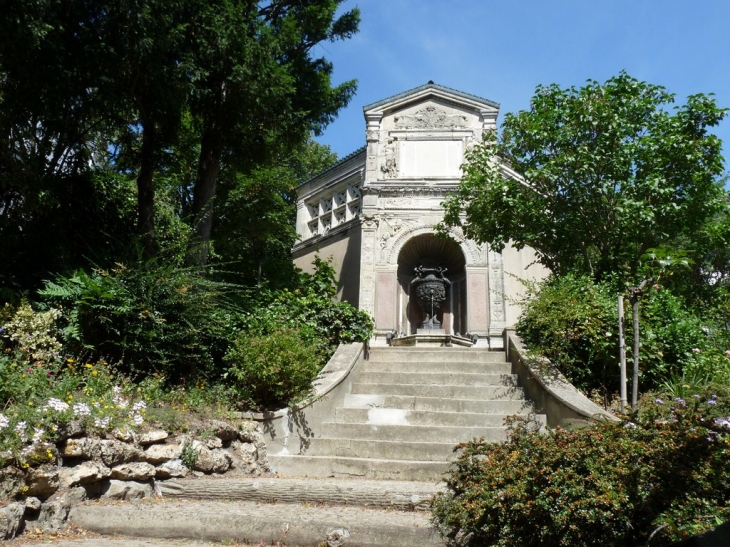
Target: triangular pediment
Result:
[[435, 93]]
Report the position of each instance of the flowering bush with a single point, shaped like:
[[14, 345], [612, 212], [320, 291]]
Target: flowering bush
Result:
[[41, 397], [33, 333], [664, 475]]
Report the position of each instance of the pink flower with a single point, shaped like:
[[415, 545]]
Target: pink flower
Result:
[[656, 287], [727, 352], [697, 350]]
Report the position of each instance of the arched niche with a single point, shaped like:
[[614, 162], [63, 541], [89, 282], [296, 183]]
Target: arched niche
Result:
[[430, 251]]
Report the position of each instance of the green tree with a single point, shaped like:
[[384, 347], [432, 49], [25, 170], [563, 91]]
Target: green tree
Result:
[[593, 177]]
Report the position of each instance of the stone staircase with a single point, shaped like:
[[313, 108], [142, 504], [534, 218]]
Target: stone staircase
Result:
[[407, 409]]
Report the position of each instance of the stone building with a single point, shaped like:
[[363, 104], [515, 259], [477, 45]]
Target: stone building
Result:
[[375, 214]]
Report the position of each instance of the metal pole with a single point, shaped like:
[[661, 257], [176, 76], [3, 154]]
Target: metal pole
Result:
[[635, 386], [622, 351]]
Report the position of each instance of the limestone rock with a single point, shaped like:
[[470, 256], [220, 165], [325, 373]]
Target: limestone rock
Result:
[[32, 504], [74, 428], [11, 482], [123, 434], [84, 447], [211, 461], [11, 517], [53, 515], [250, 432], [243, 456], [133, 471], [85, 473], [213, 442], [223, 430], [127, 490], [115, 452], [151, 437], [159, 453], [42, 481], [172, 468], [41, 453], [74, 495]]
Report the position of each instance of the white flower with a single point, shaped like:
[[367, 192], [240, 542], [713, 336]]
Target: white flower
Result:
[[56, 404], [102, 423], [3, 421], [141, 405], [37, 435], [81, 409], [20, 429], [137, 419]]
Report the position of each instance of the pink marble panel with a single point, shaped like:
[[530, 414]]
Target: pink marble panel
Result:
[[385, 288], [476, 298]]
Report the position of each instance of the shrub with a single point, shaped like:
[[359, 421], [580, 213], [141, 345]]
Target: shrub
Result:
[[273, 370], [573, 321], [613, 484], [32, 333], [153, 317]]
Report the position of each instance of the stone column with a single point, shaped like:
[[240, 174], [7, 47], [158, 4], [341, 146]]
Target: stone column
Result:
[[497, 322], [477, 295]]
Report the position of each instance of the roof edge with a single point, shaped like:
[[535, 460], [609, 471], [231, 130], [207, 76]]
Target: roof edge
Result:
[[334, 166], [424, 87]]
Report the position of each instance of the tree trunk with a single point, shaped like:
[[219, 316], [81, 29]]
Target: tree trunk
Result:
[[211, 148], [146, 191]]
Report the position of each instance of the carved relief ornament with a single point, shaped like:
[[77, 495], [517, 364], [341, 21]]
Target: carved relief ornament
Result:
[[430, 117]]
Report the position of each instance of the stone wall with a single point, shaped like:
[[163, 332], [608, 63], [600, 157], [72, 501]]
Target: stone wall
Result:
[[39, 487]]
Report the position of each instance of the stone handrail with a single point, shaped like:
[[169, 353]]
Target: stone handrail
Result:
[[552, 393]]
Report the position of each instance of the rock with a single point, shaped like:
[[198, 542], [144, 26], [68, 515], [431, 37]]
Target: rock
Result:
[[133, 471], [42, 481], [53, 515], [223, 430], [74, 428], [127, 490], [115, 452], [74, 496], [32, 504], [40, 453], [159, 453], [85, 448], [173, 468], [243, 456], [151, 437], [85, 473], [11, 517], [250, 432], [213, 442], [123, 434], [211, 461], [12, 482]]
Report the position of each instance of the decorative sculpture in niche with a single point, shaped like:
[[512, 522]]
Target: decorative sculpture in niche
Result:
[[430, 285]]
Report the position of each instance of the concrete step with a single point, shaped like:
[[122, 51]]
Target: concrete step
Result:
[[444, 391], [411, 433], [384, 450], [472, 367], [439, 378], [394, 494], [254, 523], [382, 416], [439, 404], [439, 355], [365, 468]]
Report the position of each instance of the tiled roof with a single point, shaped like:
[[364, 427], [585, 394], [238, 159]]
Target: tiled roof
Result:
[[430, 85]]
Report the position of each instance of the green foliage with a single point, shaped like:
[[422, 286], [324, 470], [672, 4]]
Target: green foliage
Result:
[[603, 173], [273, 370], [152, 317], [613, 484], [312, 310], [573, 321], [32, 333]]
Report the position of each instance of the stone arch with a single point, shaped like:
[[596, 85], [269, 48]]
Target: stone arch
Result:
[[473, 254], [426, 249]]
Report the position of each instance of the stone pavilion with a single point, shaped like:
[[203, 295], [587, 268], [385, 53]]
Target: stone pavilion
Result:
[[375, 214]]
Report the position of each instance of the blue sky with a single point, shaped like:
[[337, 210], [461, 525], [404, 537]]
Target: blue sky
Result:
[[502, 50]]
